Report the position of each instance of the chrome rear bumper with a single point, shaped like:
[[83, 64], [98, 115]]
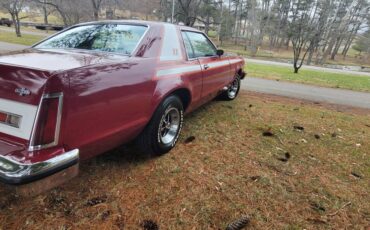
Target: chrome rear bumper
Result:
[[16, 173]]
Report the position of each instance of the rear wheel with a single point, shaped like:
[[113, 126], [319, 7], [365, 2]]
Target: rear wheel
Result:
[[232, 92], [163, 130]]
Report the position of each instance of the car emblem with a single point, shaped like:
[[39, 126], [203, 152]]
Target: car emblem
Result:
[[22, 91]]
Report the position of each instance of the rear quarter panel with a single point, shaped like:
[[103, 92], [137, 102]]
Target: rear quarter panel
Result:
[[108, 105]]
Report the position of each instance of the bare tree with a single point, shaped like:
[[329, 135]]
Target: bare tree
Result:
[[70, 11], [303, 30], [253, 40], [188, 11], [14, 7], [96, 4]]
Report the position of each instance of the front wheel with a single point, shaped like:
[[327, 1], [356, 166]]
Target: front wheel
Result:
[[163, 130], [232, 92]]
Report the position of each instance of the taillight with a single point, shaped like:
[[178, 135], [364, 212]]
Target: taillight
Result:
[[3, 117], [46, 130], [10, 119]]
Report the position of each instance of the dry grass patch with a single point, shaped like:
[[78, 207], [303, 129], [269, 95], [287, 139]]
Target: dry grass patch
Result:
[[311, 172]]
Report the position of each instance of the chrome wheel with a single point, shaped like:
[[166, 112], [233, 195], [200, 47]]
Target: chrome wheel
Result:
[[233, 89], [169, 125]]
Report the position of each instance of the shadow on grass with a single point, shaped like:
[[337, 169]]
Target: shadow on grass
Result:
[[95, 172]]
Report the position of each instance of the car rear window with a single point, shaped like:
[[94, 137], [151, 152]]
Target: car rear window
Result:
[[117, 38]]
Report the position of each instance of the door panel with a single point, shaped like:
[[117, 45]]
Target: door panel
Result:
[[216, 75], [216, 70]]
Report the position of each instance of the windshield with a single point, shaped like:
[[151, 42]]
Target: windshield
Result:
[[117, 38]]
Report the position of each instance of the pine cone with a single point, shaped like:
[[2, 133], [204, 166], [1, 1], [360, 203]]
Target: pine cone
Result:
[[239, 224]]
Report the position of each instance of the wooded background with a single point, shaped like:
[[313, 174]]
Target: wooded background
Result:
[[314, 30]]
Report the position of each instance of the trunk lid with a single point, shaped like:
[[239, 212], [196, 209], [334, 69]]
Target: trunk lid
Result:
[[21, 84], [31, 68], [23, 77]]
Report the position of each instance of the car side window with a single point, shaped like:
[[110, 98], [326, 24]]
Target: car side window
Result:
[[188, 46], [201, 45]]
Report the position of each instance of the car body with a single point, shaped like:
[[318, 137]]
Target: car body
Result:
[[62, 105], [5, 22]]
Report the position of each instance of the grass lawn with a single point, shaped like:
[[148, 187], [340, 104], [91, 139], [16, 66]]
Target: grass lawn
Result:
[[264, 53], [286, 164], [334, 80], [26, 39]]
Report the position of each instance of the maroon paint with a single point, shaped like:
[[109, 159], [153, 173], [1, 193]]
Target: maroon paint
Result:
[[108, 98]]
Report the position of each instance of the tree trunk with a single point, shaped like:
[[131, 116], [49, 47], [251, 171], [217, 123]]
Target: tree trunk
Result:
[[96, 8], [45, 13], [15, 18], [206, 26], [236, 23], [309, 58], [96, 15], [328, 51], [336, 48], [287, 42]]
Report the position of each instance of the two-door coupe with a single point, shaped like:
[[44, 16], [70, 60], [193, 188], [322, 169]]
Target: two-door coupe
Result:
[[95, 86]]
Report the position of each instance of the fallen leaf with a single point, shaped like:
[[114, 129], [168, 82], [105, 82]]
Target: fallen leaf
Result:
[[189, 139], [267, 133], [255, 178], [356, 175], [149, 225], [298, 127], [303, 140], [96, 200]]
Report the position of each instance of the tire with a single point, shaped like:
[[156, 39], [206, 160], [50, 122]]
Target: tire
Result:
[[232, 92], [163, 130]]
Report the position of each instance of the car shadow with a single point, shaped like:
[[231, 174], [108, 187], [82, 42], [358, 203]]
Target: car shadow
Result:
[[126, 156]]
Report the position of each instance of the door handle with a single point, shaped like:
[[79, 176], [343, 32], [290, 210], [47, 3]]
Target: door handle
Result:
[[206, 66]]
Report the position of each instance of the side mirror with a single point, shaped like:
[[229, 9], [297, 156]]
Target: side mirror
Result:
[[220, 53]]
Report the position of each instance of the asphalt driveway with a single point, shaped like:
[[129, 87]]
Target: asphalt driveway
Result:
[[8, 47], [308, 92]]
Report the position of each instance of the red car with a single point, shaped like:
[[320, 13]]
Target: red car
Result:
[[95, 86]]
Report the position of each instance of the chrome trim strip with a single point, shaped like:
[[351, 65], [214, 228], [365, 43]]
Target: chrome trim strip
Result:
[[14, 172], [186, 69], [233, 61], [57, 128], [218, 64], [179, 70]]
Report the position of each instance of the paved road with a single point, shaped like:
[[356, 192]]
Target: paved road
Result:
[[40, 33], [312, 93], [329, 70], [7, 47]]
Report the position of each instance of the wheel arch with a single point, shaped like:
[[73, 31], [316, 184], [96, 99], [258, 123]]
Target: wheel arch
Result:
[[184, 95], [240, 72], [182, 92]]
